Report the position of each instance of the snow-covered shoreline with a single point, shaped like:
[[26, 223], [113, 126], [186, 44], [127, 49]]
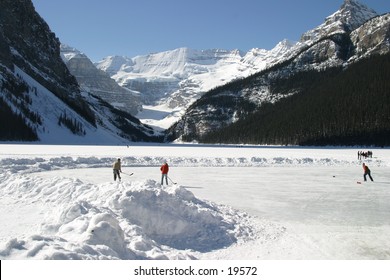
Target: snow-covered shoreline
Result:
[[228, 203]]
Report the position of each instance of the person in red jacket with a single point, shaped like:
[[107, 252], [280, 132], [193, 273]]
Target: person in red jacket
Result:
[[367, 171], [164, 171]]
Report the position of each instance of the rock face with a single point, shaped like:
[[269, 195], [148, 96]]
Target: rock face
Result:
[[373, 37], [36, 50], [97, 82], [27, 34]]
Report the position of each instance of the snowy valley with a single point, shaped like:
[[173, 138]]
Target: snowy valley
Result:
[[172, 89]]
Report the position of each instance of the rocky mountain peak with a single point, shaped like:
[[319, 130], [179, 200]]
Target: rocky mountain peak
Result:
[[353, 14], [350, 16]]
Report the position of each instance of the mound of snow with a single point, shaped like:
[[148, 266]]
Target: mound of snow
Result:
[[138, 220], [174, 217]]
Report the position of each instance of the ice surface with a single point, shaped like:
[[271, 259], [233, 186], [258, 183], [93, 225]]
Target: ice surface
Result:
[[230, 202]]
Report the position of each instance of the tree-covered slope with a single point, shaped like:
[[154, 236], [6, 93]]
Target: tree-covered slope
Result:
[[335, 107]]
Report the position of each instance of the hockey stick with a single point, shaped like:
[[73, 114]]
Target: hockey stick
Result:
[[171, 181], [127, 174]]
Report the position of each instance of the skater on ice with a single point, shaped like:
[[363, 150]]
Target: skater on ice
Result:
[[117, 168], [367, 171], [164, 173]]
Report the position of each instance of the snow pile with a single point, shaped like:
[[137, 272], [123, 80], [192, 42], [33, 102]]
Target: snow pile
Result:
[[137, 220]]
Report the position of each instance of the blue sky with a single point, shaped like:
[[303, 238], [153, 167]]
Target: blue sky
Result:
[[139, 27]]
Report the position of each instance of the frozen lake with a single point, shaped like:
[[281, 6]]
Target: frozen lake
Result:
[[301, 203]]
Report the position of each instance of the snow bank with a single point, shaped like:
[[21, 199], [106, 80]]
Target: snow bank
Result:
[[138, 220], [67, 162]]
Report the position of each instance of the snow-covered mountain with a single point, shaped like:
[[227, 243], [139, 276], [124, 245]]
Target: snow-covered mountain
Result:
[[98, 82], [352, 33], [179, 77]]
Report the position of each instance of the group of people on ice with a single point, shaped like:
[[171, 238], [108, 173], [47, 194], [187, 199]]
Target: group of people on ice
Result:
[[117, 169], [362, 154]]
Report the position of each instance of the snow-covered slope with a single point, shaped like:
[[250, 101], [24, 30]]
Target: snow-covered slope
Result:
[[50, 108], [56, 122]]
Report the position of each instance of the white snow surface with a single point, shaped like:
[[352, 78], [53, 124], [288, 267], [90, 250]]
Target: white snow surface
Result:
[[223, 202]]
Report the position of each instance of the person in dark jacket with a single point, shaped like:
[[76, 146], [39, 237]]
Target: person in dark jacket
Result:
[[164, 173], [117, 169], [367, 171]]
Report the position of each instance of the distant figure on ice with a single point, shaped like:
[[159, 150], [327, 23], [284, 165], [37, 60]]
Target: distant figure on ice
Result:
[[117, 168], [164, 173], [362, 154], [367, 171]]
